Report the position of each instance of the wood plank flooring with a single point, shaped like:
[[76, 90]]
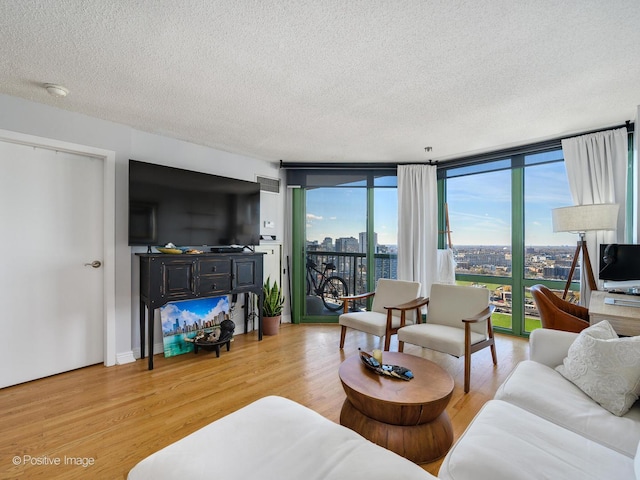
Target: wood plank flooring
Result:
[[98, 422]]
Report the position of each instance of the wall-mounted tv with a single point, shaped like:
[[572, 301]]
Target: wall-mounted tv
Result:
[[188, 208]]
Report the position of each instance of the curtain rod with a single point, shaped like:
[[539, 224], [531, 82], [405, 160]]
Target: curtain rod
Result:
[[461, 161], [338, 166], [529, 148]]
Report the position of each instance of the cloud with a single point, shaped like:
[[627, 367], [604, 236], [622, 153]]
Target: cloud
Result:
[[311, 216]]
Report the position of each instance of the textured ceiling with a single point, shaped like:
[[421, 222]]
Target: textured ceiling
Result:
[[332, 80]]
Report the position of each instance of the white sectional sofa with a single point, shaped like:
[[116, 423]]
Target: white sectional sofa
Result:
[[539, 426], [275, 439], [542, 426]]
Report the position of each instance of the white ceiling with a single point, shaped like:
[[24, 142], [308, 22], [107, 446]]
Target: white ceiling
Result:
[[332, 80]]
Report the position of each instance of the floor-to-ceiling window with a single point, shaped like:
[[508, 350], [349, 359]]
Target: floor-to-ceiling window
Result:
[[479, 202], [547, 255], [347, 241], [500, 218]]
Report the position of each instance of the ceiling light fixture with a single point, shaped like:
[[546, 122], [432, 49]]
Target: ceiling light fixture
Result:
[[56, 90]]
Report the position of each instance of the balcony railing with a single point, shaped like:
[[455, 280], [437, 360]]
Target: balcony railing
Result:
[[352, 268]]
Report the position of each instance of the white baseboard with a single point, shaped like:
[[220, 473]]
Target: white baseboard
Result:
[[157, 348], [125, 357]]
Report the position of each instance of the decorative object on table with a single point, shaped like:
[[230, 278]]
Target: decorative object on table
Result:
[[272, 307], [183, 321], [377, 354], [171, 249], [581, 219], [393, 371], [222, 335]]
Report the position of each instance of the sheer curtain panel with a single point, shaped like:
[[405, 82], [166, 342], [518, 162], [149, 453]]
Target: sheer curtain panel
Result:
[[418, 225], [597, 171]]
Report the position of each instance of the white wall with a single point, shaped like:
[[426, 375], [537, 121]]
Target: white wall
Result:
[[31, 118], [636, 179]]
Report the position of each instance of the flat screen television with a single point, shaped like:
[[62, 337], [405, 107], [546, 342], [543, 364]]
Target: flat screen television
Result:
[[620, 262], [187, 208]]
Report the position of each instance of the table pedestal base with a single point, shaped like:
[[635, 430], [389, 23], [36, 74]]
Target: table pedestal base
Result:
[[419, 443]]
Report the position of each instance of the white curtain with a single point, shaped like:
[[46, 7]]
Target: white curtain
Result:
[[597, 172], [418, 225]]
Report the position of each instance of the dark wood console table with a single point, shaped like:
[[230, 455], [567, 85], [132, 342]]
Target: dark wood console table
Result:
[[170, 278]]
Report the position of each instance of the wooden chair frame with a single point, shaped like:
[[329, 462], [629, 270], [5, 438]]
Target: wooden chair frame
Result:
[[416, 304], [468, 347]]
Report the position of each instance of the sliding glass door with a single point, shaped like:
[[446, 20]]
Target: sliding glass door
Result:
[[348, 239]]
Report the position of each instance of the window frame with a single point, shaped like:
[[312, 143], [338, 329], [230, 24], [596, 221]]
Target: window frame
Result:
[[495, 162]]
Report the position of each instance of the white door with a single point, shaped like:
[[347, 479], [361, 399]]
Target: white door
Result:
[[51, 227]]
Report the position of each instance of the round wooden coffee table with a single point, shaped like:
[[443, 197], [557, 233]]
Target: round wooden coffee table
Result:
[[406, 417]]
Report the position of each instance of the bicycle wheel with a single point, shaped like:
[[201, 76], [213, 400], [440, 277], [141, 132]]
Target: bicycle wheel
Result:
[[334, 288]]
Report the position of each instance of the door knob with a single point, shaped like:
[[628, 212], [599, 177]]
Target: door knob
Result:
[[94, 264]]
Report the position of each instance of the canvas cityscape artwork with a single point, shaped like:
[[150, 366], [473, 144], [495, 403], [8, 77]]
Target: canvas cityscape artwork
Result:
[[182, 321]]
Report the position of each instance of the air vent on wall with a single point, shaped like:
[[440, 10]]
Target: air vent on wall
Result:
[[269, 184]]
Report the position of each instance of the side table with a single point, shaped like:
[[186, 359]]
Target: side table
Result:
[[406, 417]]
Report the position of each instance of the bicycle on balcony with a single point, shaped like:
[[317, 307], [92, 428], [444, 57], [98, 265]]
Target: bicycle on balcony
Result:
[[330, 288]]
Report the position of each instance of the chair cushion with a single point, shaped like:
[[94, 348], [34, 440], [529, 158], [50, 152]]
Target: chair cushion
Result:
[[449, 304], [441, 338], [507, 442], [605, 367], [544, 392], [275, 439], [394, 292], [374, 323]]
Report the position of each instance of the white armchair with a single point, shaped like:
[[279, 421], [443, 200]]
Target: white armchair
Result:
[[458, 323], [396, 303]]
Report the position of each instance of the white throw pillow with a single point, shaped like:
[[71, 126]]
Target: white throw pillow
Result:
[[605, 367]]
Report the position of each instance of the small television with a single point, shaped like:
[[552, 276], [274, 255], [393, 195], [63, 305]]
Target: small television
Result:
[[620, 263], [188, 208]]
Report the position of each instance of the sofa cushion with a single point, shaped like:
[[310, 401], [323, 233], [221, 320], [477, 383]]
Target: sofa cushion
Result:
[[636, 463], [605, 367], [507, 442], [275, 439], [544, 392]]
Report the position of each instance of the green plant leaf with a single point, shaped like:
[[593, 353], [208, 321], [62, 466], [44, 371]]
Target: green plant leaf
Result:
[[273, 301]]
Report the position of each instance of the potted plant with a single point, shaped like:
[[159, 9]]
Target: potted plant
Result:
[[272, 306]]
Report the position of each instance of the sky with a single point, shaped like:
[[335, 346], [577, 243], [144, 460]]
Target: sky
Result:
[[479, 209]]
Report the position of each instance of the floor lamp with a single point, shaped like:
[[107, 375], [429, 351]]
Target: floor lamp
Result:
[[581, 219]]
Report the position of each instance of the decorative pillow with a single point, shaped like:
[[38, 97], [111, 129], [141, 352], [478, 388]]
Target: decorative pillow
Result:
[[605, 367]]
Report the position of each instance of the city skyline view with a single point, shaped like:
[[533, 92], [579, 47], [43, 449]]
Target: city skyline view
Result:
[[475, 217]]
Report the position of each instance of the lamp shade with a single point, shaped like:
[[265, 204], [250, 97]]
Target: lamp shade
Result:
[[582, 218]]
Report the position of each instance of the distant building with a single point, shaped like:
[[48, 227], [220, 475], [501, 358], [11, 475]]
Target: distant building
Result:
[[347, 245], [364, 242]]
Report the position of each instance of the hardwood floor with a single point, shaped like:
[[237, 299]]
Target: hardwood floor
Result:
[[98, 422]]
